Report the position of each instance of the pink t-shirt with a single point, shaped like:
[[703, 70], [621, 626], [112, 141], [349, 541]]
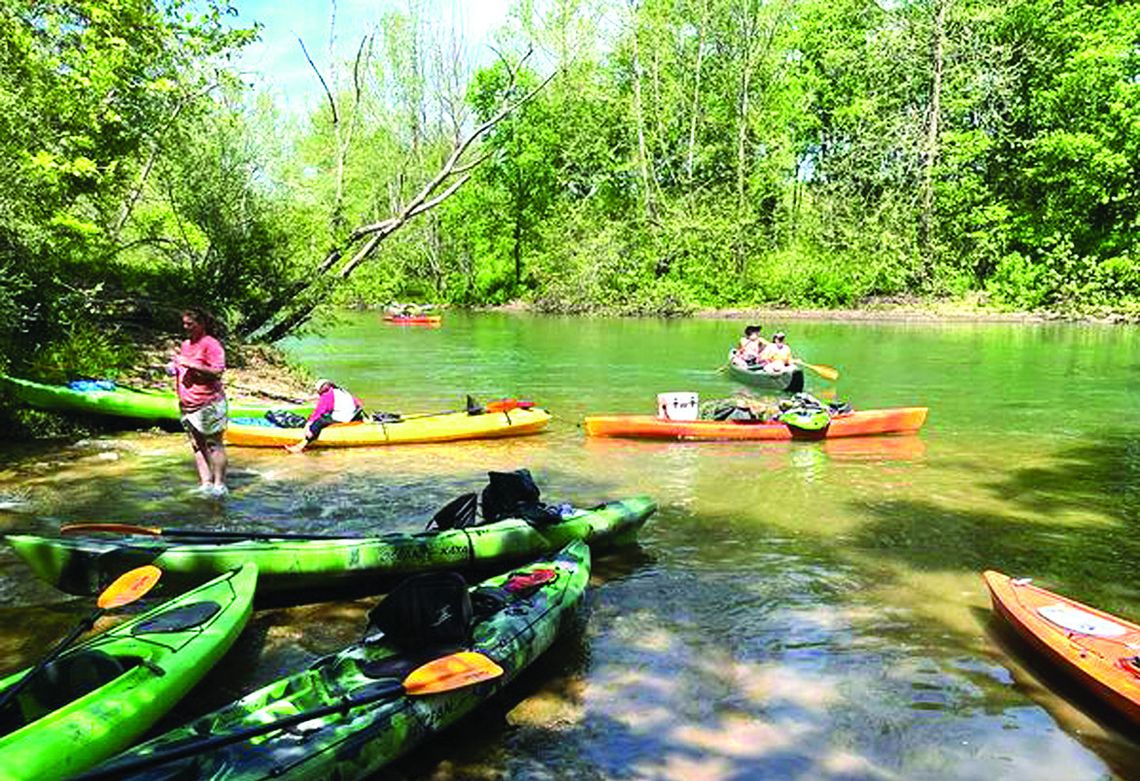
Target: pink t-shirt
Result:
[[195, 388], [342, 405]]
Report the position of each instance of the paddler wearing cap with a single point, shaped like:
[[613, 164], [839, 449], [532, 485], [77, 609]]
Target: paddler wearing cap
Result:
[[776, 355], [334, 405]]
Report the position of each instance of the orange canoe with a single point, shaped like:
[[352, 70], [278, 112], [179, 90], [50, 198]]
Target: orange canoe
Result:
[[902, 420], [1096, 648]]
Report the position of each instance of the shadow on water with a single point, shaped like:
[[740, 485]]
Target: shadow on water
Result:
[[1072, 526], [1072, 706], [1101, 475]]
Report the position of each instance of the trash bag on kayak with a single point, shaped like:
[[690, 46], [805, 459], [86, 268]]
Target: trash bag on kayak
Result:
[[283, 418]]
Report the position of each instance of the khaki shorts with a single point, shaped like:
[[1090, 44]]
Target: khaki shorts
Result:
[[209, 420]]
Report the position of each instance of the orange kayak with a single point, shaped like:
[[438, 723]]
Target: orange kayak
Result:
[[901, 420], [1096, 648]]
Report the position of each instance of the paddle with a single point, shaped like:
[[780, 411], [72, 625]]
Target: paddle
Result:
[[267, 394], [156, 531], [822, 369], [499, 405], [455, 671], [126, 589]]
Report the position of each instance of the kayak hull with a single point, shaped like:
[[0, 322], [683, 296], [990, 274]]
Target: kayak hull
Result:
[[787, 381], [353, 743], [164, 664], [435, 428], [141, 405], [1097, 662], [297, 570], [901, 420], [413, 319]]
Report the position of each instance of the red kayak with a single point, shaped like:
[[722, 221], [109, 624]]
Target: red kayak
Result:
[[1096, 649], [902, 420], [413, 319]]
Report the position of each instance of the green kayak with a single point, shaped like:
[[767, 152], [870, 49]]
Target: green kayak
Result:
[[790, 381], [330, 737], [99, 697], [307, 569], [106, 398]]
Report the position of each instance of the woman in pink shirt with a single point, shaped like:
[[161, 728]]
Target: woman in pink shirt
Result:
[[197, 369], [334, 405]]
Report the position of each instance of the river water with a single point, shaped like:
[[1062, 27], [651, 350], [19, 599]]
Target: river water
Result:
[[793, 611]]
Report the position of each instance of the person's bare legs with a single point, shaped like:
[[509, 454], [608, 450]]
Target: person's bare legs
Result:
[[297, 447], [218, 461], [201, 458]]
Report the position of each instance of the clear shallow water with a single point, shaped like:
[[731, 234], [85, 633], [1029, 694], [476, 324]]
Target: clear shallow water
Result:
[[806, 610]]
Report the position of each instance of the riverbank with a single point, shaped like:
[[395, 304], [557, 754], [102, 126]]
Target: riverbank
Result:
[[903, 310]]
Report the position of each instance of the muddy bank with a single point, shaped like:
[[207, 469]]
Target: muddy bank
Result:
[[909, 310]]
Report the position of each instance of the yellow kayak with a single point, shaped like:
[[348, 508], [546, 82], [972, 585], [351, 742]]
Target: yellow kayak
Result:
[[445, 427]]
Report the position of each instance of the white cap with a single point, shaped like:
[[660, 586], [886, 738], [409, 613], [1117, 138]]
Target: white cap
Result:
[[322, 382]]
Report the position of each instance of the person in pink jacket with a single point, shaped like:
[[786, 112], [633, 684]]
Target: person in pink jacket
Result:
[[197, 368], [334, 405]]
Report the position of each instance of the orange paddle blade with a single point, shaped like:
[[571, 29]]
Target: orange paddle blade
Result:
[[119, 528], [822, 369], [129, 586], [455, 671]]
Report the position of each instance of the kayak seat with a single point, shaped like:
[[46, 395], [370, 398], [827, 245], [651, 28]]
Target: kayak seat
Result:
[[459, 513], [60, 682], [179, 619], [428, 611]]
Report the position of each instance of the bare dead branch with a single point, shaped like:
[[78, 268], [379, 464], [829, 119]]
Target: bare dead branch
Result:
[[324, 84]]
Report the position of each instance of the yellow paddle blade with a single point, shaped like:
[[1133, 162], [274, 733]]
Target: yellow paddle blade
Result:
[[455, 671], [825, 371], [129, 586], [120, 528]]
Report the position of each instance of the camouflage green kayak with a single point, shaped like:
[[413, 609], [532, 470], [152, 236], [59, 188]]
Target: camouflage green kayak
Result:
[[99, 697], [309, 726], [296, 568], [101, 397]]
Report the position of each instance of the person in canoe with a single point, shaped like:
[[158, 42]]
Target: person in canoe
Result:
[[197, 368], [750, 348], [776, 356], [334, 405]]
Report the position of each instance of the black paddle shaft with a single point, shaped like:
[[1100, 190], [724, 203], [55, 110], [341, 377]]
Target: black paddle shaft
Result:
[[10, 693], [119, 769]]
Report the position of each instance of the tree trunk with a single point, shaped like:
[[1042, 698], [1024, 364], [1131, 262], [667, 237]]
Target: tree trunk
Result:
[[926, 219], [294, 310], [639, 121]]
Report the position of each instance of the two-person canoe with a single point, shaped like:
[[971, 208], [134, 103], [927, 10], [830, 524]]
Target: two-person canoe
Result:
[[137, 404], [531, 607], [102, 695], [1096, 649], [901, 420], [445, 427], [789, 380], [295, 569]]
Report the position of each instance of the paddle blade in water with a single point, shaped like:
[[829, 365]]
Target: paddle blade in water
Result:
[[455, 671], [129, 586]]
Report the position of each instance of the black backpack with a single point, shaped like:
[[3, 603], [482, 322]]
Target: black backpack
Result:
[[515, 495], [431, 611]]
